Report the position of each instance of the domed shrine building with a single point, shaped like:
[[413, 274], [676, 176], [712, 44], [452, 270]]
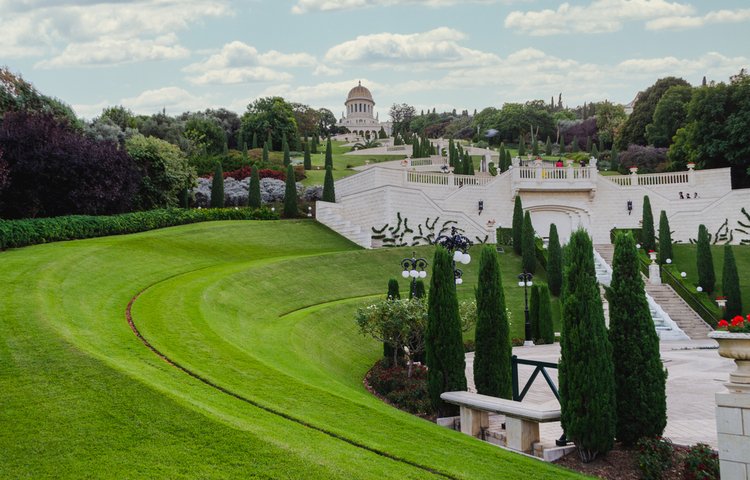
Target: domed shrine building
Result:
[[359, 117]]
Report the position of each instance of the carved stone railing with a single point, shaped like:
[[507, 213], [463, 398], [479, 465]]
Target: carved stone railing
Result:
[[447, 179], [652, 179]]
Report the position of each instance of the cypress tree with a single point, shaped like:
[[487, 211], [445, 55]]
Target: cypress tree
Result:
[[254, 145], [314, 144], [521, 146], [217, 188], [492, 371], [265, 154], [665, 238], [546, 328], [444, 344], [389, 353], [243, 147], [517, 229], [253, 194], [469, 165], [308, 161], [184, 198], [648, 237], [614, 161], [554, 262], [534, 312], [640, 378], [548, 147], [329, 154], [285, 148], [595, 151], [290, 194], [534, 145], [269, 141], [508, 160], [706, 275], [528, 248], [588, 144], [730, 284], [586, 372], [561, 146], [329, 193], [501, 158], [419, 291], [575, 146]]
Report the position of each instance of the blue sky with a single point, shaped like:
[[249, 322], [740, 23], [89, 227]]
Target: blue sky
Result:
[[194, 54]]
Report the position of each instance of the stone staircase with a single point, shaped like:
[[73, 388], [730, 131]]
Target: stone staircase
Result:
[[666, 299], [329, 214]]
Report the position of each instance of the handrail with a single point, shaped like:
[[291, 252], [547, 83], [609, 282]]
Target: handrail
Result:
[[541, 367], [707, 315]]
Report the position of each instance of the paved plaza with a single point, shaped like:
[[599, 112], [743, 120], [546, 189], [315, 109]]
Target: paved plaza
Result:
[[696, 373]]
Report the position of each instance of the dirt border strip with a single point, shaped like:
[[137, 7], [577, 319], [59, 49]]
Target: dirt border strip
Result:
[[286, 416]]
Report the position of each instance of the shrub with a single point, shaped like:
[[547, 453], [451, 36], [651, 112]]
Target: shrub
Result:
[[648, 237], [654, 457], [701, 463], [329, 192], [665, 238], [554, 261], [217, 188], [546, 328], [528, 247], [647, 159], [394, 383], [20, 233], [290, 194]]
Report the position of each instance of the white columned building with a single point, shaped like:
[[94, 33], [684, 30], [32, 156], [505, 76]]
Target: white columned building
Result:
[[360, 118]]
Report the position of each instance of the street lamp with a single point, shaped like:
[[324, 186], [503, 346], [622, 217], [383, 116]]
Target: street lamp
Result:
[[415, 268], [458, 244], [525, 282]]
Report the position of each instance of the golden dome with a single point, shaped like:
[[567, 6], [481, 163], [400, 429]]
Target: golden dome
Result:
[[359, 93]]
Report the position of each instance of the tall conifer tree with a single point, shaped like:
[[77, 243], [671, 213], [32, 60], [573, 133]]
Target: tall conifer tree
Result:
[[640, 378], [290, 194], [329, 193], [730, 284], [517, 229], [528, 248], [444, 344], [285, 149], [706, 274], [546, 327], [269, 141], [307, 160], [548, 147], [586, 371], [665, 238], [217, 187], [253, 194], [492, 370], [329, 154], [534, 308], [521, 146], [265, 154], [254, 145], [648, 236], [554, 262]]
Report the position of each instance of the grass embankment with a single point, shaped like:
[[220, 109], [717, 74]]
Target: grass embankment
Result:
[[342, 164], [261, 309]]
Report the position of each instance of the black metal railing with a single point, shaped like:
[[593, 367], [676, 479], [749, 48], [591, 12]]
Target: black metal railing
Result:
[[690, 298], [540, 367]]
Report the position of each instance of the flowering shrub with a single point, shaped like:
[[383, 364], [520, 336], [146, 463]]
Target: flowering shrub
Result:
[[406, 393], [739, 324], [654, 457], [245, 171], [701, 463]]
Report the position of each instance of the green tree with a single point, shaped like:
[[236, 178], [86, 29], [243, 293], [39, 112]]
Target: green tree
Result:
[[548, 147], [501, 158], [534, 145], [594, 151], [640, 378], [290, 194], [588, 144], [444, 344], [614, 160], [217, 187], [314, 145], [634, 128], [554, 262], [528, 248], [264, 157], [271, 116], [665, 238], [329, 192], [521, 145], [419, 291], [586, 371], [253, 194], [269, 141], [184, 198], [285, 149], [393, 289], [730, 284], [389, 352], [705, 261], [517, 230], [648, 236], [508, 160], [254, 145], [670, 115], [575, 147], [243, 151], [206, 135], [329, 155], [546, 328], [492, 370], [308, 160], [534, 312]]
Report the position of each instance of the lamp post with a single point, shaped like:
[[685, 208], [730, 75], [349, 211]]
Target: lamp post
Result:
[[525, 282], [457, 244], [415, 268]]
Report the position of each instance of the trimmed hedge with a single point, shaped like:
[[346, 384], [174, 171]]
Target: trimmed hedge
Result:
[[21, 233]]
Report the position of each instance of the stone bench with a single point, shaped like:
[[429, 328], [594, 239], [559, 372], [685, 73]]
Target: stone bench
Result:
[[521, 419]]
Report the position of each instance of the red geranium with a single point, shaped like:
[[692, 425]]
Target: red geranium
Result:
[[738, 321], [722, 323]]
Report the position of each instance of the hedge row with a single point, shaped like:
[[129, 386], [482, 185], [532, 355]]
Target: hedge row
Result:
[[20, 233]]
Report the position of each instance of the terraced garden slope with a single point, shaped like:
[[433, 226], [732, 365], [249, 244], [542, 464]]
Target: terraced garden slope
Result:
[[257, 317]]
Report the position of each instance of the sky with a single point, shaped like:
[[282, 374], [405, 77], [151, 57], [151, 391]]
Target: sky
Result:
[[189, 55]]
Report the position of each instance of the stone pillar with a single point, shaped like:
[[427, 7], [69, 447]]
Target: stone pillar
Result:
[[654, 274]]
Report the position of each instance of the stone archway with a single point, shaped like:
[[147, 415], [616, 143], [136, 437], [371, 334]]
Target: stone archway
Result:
[[567, 219]]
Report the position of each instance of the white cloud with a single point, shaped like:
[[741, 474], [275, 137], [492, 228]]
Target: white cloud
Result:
[[323, 70], [600, 16], [174, 99], [685, 22], [112, 51], [438, 48], [238, 62], [49, 27], [713, 64], [305, 6]]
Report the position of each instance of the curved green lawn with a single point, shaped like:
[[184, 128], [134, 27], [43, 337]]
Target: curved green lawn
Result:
[[262, 310]]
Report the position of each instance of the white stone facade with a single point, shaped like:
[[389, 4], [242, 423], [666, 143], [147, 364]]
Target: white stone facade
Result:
[[408, 198], [359, 117]]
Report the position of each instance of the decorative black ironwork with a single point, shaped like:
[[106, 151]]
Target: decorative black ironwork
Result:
[[525, 282], [415, 268], [458, 245]]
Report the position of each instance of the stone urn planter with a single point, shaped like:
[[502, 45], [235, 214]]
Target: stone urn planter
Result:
[[737, 347], [633, 170]]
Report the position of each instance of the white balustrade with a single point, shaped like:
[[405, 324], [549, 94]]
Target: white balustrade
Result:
[[667, 178], [427, 178]]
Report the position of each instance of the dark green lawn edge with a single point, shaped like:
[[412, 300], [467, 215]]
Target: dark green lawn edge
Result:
[[286, 416]]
